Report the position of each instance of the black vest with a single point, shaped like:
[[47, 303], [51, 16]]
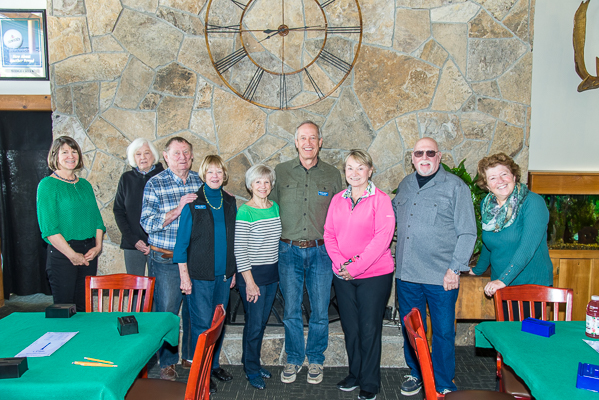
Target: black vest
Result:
[[200, 253]]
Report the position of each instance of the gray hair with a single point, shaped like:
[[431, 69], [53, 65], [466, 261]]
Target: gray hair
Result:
[[308, 122], [136, 145], [259, 171]]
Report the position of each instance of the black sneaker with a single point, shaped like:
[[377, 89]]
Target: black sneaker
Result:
[[364, 395], [411, 385], [345, 386]]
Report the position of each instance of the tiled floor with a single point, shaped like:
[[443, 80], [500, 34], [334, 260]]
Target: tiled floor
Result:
[[474, 370]]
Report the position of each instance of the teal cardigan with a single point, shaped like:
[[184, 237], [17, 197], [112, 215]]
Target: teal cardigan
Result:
[[518, 255]]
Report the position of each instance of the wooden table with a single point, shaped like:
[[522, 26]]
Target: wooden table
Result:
[[55, 377], [549, 366]]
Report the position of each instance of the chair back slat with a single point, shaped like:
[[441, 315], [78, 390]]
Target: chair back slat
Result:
[[415, 329], [127, 286], [529, 294], [198, 383]]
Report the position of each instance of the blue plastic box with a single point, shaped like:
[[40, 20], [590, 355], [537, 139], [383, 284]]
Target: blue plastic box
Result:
[[588, 377], [538, 327]]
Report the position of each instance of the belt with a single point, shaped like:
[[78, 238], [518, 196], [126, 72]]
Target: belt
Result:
[[165, 253], [304, 244]]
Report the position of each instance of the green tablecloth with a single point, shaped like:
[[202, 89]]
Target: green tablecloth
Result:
[[54, 377], [548, 365]]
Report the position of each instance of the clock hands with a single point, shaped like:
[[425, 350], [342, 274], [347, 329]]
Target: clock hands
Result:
[[283, 30]]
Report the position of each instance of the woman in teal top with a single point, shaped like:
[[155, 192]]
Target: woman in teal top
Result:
[[70, 223], [514, 224], [257, 233]]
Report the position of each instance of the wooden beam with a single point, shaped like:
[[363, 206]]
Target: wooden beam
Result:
[[25, 103], [544, 182]]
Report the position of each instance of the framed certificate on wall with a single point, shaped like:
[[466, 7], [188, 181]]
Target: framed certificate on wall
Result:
[[24, 51]]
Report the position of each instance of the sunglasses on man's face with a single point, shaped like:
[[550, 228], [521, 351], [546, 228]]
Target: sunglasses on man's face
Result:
[[429, 153]]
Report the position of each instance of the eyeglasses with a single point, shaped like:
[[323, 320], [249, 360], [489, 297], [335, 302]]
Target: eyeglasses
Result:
[[429, 153]]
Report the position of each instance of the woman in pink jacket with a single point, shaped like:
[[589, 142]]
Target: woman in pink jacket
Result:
[[357, 233]]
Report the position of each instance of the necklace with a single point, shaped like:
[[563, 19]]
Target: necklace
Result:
[[64, 179], [208, 201]]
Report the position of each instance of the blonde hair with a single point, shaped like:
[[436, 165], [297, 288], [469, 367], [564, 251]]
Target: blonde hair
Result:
[[216, 161], [360, 156]]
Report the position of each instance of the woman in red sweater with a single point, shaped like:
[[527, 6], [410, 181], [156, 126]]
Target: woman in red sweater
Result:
[[357, 233]]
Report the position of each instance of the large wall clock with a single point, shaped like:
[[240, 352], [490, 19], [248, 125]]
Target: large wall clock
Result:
[[283, 54]]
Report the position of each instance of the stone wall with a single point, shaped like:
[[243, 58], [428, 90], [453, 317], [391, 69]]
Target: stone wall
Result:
[[458, 71]]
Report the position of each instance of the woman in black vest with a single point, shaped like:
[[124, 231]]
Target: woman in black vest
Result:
[[204, 251]]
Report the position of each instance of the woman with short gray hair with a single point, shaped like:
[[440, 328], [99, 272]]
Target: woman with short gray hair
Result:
[[145, 163], [257, 232]]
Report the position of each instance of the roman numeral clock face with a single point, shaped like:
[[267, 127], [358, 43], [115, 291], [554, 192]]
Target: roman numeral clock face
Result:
[[283, 54]]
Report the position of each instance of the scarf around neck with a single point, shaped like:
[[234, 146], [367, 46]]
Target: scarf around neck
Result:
[[496, 218]]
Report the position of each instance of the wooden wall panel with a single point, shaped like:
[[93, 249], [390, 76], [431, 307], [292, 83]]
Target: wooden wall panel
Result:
[[544, 182], [594, 281], [576, 274], [25, 103], [472, 302]]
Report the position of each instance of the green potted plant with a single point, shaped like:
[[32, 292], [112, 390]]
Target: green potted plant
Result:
[[477, 196]]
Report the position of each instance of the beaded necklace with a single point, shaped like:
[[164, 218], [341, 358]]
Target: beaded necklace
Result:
[[64, 179], [208, 201]]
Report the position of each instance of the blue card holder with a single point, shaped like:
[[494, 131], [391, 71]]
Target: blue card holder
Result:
[[538, 327], [588, 377]]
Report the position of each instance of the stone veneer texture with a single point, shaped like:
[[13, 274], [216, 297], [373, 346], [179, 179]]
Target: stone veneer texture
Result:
[[455, 70]]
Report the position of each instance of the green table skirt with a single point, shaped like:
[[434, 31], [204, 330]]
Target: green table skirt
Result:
[[55, 377]]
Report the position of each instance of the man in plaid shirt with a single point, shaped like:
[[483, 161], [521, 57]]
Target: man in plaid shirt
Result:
[[165, 196]]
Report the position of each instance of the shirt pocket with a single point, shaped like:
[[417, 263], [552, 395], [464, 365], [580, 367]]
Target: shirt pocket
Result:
[[321, 194], [427, 211], [288, 193]]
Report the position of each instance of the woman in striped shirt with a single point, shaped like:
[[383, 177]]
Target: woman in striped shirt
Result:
[[257, 233]]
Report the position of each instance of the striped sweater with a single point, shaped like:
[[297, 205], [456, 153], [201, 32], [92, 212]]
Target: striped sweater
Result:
[[257, 233]]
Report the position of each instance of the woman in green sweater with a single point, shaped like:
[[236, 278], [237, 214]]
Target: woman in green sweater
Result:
[[514, 224], [70, 223], [257, 233]]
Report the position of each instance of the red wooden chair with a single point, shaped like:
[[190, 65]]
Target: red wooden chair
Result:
[[509, 382], [198, 384], [127, 287], [415, 330]]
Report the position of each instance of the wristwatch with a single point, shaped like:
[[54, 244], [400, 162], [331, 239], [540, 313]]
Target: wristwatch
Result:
[[456, 271]]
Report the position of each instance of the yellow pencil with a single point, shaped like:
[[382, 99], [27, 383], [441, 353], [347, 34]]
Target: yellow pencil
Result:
[[94, 359], [92, 364]]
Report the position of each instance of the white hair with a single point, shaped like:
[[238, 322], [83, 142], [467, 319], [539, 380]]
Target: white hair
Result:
[[136, 145], [259, 171]]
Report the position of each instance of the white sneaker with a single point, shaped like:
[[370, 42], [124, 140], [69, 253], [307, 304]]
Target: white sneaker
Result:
[[290, 373], [315, 373]]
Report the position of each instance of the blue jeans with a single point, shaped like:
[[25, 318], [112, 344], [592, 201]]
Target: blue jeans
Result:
[[168, 298], [204, 297], [441, 305], [314, 266], [256, 317]]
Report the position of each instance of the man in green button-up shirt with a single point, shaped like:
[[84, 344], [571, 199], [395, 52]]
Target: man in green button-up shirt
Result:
[[304, 188]]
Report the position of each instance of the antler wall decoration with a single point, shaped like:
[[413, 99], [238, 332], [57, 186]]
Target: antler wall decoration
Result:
[[580, 26]]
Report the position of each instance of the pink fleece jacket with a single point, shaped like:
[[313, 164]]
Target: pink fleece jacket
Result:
[[366, 231]]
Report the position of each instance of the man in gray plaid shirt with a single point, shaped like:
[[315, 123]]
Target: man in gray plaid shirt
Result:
[[165, 195]]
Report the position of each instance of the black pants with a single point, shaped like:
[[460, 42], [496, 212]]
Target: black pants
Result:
[[361, 308], [67, 281]]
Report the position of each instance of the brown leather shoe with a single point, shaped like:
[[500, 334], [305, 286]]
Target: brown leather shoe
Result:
[[168, 373], [186, 364]]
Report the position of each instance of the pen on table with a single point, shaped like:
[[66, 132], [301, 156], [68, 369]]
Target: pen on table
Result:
[[45, 346], [92, 364], [95, 359]]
